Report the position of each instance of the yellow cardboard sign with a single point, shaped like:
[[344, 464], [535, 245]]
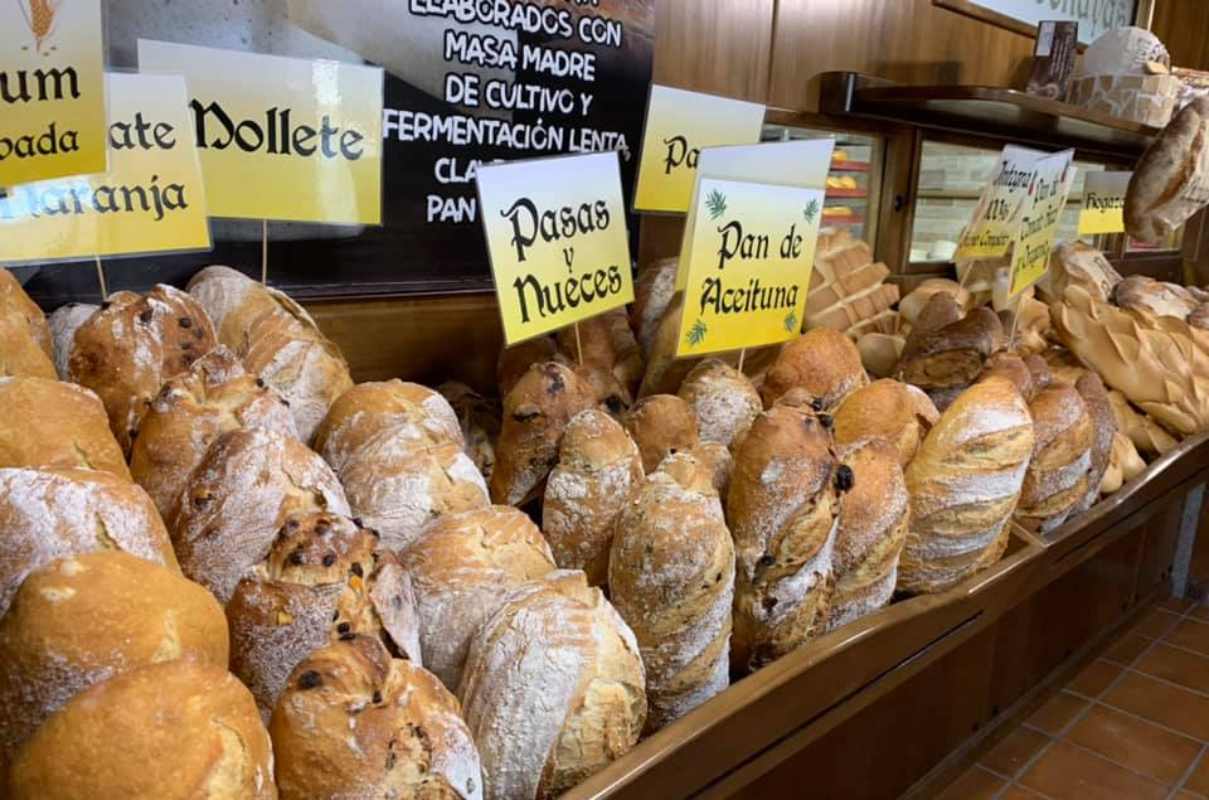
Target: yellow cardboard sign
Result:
[[152, 198], [556, 233], [1103, 208], [52, 90], [678, 125], [996, 218], [749, 265], [282, 138], [1047, 193]]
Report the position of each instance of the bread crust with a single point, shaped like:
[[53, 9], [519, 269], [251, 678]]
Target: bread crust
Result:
[[951, 356], [661, 425], [1104, 432], [823, 362], [887, 409], [722, 398], [64, 323], [25, 343], [1169, 183], [49, 423], [1058, 475]]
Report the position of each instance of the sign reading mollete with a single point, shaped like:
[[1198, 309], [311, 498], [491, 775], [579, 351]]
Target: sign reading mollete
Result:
[[748, 265], [1039, 219], [1103, 208], [556, 232], [152, 199], [996, 218], [678, 125], [52, 98], [281, 138]]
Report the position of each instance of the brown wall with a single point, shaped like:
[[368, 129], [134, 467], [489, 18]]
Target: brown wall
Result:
[[1183, 25]]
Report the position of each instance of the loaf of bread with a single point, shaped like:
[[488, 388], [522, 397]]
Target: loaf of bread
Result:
[[598, 465], [553, 689], [672, 579], [886, 409], [16, 304], [1027, 380], [515, 361], [661, 425], [64, 322], [180, 730], [848, 292], [606, 342], [1079, 264], [249, 484], [782, 508], [880, 353], [1147, 437], [913, 304], [53, 424], [1199, 318], [193, 409], [354, 722], [126, 351], [653, 291], [719, 461], [664, 371], [1104, 429], [479, 418], [1124, 464], [1059, 472], [25, 344], [823, 362], [871, 533], [55, 513], [1143, 293], [461, 567], [723, 400], [964, 485], [1168, 184], [83, 619], [536, 412], [947, 359]]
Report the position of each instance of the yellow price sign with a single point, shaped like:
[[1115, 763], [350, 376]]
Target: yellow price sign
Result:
[[1103, 208], [556, 234], [996, 218], [1047, 193]]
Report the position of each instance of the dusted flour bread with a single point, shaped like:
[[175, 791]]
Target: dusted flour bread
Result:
[[55, 513], [241, 494], [1124, 464], [127, 350], [1146, 435], [1143, 293], [83, 619], [823, 362], [354, 722], [25, 343], [181, 730], [653, 291], [1168, 184], [63, 323], [1199, 318], [945, 360], [536, 411], [461, 567], [193, 409], [17, 305], [661, 425], [782, 508], [964, 485], [1104, 430], [718, 459], [598, 465], [913, 304], [1059, 472], [479, 418], [1079, 264], [49, 423], [672, 579], [886, 409], [872, 530], [553, 688], [723, 400], [607, 343], [515, 361]]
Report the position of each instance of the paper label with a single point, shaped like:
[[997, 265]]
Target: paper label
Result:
[[556, 233], [1103, 208], [282, 138], [52, 90], [996, 218], [1047, 193]]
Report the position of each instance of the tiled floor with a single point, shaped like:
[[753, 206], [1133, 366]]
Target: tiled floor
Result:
[[1134, 723]]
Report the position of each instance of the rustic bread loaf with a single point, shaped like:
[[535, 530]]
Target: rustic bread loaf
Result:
[[912, 305], [64, 323], [181, 730], [653, 291], [1145, 434], [1079, 264], [17, 305], [661, 425], [353, 722], [607, 343], [193, 409], [1168, 184], [1124, 464], [896, 412], [723, 400], [718, 459], [515, 361], [55, 513], [782, 508], [1027, 380], [664, 371], [672, 578], [20, 353], [880, 353], [461, 566], [823, 362], [234, 301], [249, 484], [1143, 293], [479, 418], [1104, 429], [964, 484], [941, 309], [953, 356], [543, 724], [1058, 473], [53, 424]]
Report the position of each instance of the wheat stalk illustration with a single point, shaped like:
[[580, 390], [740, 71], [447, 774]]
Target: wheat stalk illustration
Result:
[[40, 18]]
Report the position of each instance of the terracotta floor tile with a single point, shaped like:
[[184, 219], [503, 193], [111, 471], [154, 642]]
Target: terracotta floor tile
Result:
[[1180, 795], [1127, 649], [1014, 751], [975, 784], [1094, 678], [1198, 781], [1175, 665], [1177, 604], [1168, 705], [1057, 712], [1155, 623], [1201, 612], [1064, 772], [1135, 744], [1015, 792], [1191, 634]]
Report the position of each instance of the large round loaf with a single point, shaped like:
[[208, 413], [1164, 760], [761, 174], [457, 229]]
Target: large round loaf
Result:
[[461, 566], [64, 322], [193, 409], [822, 361], [886, 409], [598, 465], [661, 424], [241, 494], [672, 579], [1059, 471], [49, 423], [25, 344], [355, 723], [553, 688], [723, 400], [51, 514], [180, 730], [235, 302]]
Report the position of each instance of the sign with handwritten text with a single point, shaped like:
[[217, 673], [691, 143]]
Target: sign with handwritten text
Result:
[[1039, 220], [996, 218], [1103, 208]]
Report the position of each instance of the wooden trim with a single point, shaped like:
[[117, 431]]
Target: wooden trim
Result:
[[1144, 15], [969, 9]]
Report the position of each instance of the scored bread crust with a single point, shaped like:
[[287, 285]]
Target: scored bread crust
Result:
[[49, 423], [1104, 431], [1058, 475], [661, 424], [887, 409], [1169, 183], [722, 398], [64, 322], [824, 362], [653, 291]]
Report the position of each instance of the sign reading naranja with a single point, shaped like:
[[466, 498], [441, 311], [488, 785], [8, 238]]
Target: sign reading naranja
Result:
[[1047, 193], [556, 234], [152, 199], [1103, 208], [282, 138], [52, 90]]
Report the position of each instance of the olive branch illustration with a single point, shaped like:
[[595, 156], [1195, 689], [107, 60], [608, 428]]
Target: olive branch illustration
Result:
[[716, 203], [791, 321], [696, 334], [812, 209]]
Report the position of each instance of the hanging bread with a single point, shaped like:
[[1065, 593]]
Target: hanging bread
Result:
[[64, 323], [1104, 430], [723, 401], [1145, 434], [25, 343], [54, 424], [653, 291], [896, 412], [661, 425], [1168, 184], [1059, 472], [823, 362]]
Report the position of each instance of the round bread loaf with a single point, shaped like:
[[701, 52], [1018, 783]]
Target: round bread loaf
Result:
[[653, 291], [886, 409], [661, 425], [180, 730], [83, 619], [917, 299], [1076, 263], [1058, 472], [240, 495], [515, 361], [353, 723], [672, 579], [553, 688], [191, 411], [54, 424], [64, 322], [782, 508], [55, 513], [461, 565], [823, 362], [235, 302], [598, 465], [945, 360], [723, 400]]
